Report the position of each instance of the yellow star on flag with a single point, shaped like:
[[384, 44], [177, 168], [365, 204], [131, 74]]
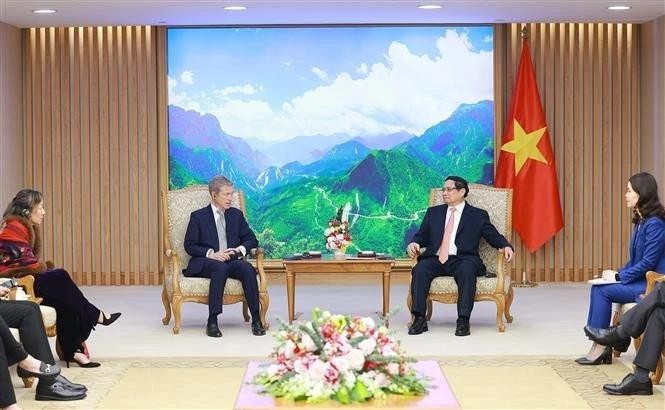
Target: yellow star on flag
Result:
[[524, 146]]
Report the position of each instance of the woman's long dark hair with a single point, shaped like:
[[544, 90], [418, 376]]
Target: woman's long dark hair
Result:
[[648, 204], [23, 203]]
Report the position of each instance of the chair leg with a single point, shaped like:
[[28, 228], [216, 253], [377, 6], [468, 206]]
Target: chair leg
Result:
[[500, 303], [509, 302], [167, 307], [616, 319], [177, 306], [428, 314], [264, 301], [28, 382], [658, 374], [409, 303], [245, 311]]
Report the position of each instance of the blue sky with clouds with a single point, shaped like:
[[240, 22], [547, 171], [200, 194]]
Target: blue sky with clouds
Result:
[[276, 83]]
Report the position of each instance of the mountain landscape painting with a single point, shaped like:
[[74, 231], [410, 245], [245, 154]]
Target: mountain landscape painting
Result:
[[306, 120]]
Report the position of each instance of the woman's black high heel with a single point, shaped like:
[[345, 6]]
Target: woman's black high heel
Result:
[[603, 358], [106, 321], [84, 365]]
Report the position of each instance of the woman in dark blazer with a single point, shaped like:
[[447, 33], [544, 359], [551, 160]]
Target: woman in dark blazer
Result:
[[20, 250], [647, 253]]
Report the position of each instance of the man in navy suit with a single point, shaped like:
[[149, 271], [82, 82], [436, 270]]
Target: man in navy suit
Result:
[[218, 237], [451, 233]]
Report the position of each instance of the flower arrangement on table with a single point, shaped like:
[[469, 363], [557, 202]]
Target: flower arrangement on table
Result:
[[338, 234], [348, 359]]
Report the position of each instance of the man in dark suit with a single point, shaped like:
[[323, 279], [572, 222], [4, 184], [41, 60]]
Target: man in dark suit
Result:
[[451, 233], [218, 237], [647, 318]]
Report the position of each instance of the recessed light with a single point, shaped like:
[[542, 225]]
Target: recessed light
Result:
[[45, 11], [618, 8], [429, 6], [235, 8]]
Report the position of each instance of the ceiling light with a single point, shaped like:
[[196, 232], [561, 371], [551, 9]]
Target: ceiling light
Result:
[[44, 11], [618, 8], [235, 8], [429, 6]]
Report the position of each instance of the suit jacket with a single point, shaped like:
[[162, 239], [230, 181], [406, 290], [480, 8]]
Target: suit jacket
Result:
[[202, 235], [647, 252], [473, 225]]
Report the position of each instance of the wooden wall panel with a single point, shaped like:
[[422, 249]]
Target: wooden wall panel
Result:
[[588, 80], [91, 147]]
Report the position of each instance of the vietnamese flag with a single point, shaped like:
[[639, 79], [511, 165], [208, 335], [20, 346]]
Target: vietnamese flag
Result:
[[526, 162]]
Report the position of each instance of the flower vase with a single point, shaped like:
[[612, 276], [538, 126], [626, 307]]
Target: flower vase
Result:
[[340, 253]]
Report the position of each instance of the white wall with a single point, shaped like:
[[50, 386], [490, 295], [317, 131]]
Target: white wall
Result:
[[11, 114], [652, 108]]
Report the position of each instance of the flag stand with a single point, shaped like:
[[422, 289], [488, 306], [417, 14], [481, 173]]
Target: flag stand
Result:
[[525, 283]]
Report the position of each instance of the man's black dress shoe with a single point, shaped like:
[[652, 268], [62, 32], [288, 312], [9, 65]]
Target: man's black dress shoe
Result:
[[212, 330], [49, 389], [629, 386], [68, 383], [257, 329], [463, 328], [608, 337], [418, 326]]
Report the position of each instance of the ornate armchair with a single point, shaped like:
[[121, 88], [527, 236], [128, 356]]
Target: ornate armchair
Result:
[[498, 203], [48, 315], [178, 205], [652, 279]]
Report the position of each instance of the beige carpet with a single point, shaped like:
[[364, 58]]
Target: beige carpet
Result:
[[478, 382]]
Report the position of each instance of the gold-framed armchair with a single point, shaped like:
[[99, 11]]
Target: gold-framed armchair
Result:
[[49, 315], [498, 204], [652, 279], [178, 289]]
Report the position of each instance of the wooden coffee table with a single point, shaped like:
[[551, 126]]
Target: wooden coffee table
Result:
[[440, 395], [327, 264]]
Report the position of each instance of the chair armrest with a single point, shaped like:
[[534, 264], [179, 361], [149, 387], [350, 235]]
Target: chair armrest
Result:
[[259, 254], [500, 272], [652, 279], [173, 259], [28, 283]]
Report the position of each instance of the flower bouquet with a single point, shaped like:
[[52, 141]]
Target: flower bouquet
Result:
[[338, 234], [348, 359]]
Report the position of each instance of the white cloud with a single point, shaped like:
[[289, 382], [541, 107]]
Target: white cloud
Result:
[[362, 69], [287, 64], [246, 89], [488, 39], [181, 99], [323, 76], [187, 77], [405, 92]]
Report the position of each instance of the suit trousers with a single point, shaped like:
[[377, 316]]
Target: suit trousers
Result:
[[647, 318], [600, 303], [429, 267], [218, 272], [27, 317]]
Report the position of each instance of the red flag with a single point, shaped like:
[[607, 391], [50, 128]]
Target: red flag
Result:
[[526, 162]]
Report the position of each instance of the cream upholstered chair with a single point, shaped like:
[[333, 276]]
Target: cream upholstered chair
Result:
[[621, 309], [178, 205], [48, 315], [498, 204]]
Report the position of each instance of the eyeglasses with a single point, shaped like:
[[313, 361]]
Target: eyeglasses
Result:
[[449, 189]]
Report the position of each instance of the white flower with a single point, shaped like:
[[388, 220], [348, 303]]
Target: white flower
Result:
[[273, 369], [317, 370], [349, 380], [300, 366], [388, 351], [341, 363], [289, 349], [308, 343], [327, 232], [356, 359], [369, 322], [393, 369], [367, 346], [381, 380]]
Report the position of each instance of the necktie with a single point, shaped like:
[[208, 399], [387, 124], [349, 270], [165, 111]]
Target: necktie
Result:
[[447, 233], [221, 231]]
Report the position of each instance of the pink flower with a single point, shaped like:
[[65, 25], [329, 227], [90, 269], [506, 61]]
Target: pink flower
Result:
[[331, 373]]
